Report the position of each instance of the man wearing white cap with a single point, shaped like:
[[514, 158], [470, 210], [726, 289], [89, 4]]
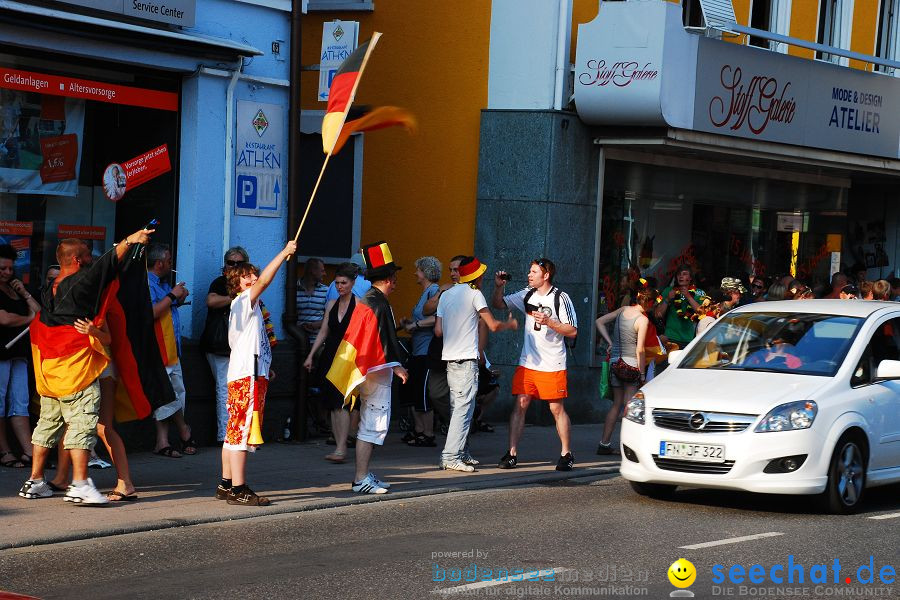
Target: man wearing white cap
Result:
[[457, 322]]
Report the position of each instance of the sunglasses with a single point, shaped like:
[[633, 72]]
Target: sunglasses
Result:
[[234, 263], [759, 286]]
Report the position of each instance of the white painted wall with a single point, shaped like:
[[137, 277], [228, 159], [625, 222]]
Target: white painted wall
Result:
[[523, 50]]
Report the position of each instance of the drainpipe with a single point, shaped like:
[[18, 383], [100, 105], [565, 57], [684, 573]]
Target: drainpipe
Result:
[[229, 155], [298, 429], [564, 27]]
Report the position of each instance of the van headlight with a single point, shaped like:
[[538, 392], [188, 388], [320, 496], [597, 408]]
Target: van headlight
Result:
[[789, 417], [634, 410]]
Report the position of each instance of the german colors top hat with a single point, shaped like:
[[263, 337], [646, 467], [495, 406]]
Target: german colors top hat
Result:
[[470, 270], [379, 262]]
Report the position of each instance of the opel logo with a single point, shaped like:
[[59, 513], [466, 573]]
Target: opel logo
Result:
[[698, 421]]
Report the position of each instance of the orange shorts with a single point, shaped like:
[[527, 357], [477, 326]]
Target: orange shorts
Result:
[[542, 385]]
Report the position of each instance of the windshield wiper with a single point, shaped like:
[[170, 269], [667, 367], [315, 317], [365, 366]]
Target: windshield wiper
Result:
[[761, 369]]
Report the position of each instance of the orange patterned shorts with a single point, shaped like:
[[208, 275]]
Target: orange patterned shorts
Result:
[[245, 396]]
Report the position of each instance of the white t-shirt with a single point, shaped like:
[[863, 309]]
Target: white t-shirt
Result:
[[248, 340], [543, 350], [458, 309]]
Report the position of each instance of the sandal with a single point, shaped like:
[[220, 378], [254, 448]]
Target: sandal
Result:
[[168, 452], [336, 457], [26, 458], [485, 427], [189, 446], [12, 463], [423, 441]]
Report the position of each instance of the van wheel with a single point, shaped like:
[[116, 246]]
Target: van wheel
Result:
[[846, 478], [659, 491]]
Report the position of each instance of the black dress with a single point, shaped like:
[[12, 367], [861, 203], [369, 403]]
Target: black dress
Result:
[[331, 397]]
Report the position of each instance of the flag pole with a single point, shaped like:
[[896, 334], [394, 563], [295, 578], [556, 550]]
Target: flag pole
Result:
[[362, 68]]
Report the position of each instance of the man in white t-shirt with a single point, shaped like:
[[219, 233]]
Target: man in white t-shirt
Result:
[[549, 319], [456, 321]]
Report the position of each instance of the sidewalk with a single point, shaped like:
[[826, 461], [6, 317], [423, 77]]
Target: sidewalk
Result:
[[178, 492]]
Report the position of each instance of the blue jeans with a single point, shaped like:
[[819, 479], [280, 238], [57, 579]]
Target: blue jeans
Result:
[[462, 379]]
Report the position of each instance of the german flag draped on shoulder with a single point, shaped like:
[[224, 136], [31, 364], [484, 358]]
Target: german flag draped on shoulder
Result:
[[67, 361], [336, 129]]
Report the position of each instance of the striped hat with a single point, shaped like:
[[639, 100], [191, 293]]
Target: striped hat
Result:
[[471, 269], [379, 261]]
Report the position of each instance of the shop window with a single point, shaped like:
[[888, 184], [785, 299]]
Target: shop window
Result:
[[835, 28], [63, 125], [339, 5], [656, 218], [332, 229], [888, 41]]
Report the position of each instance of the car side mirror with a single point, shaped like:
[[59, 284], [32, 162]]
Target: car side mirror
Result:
[[888, 369], [675, 357]]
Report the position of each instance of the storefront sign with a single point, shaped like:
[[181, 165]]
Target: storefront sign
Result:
[[124, 177], [173, 12], [770, 96], [40, 142], [70, 87], [261, 144], [636, 65], [93, 235], [339, 39]]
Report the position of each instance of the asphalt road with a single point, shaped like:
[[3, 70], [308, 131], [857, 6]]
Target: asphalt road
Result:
[[602, 540]]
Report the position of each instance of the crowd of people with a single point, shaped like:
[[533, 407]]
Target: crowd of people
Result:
[[354, 354]]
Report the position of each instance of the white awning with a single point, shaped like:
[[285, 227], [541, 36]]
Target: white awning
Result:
[[173, 42]]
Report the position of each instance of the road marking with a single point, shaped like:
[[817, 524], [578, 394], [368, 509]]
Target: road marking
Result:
[[734, 540], [500, 581], [889, 516]]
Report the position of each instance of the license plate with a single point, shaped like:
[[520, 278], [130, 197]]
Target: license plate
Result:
[[687, 451]]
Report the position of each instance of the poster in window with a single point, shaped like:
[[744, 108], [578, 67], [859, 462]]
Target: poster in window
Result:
[[18, 235], [40, 143]]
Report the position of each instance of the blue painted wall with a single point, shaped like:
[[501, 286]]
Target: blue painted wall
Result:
[[201, 214]]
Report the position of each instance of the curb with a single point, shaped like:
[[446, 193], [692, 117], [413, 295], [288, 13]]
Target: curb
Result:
[[587, 472]]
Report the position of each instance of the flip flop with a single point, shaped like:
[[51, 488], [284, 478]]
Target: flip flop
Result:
[[168, 452], [12, 463], [117, 496]]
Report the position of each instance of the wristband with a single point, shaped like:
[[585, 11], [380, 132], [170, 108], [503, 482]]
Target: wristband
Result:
[[172, 297]]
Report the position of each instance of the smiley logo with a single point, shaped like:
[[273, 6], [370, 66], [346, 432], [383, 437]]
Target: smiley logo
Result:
[[682, 573]]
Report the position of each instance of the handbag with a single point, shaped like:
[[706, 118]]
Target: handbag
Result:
[[215, 337], [625, 372]]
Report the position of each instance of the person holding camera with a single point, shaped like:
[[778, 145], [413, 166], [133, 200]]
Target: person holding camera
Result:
[[541, 374]]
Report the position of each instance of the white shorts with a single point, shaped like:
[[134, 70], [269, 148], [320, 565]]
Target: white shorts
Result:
[[375, 407]]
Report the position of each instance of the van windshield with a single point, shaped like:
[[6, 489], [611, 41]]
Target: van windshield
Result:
[[804, 344]]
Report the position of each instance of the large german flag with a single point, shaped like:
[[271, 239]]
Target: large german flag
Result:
[[143, 382], [336, 129], [65, 360], [360, 352]]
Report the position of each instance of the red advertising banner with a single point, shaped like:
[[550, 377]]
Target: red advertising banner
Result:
[[60, 155], [70, 87], [81, 232], [145, 167], [16, 227]]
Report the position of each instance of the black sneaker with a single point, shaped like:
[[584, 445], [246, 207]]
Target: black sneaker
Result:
[[246, 497], [408, 438], [603, 449], [508, 461], [222, 492], [566, 462]]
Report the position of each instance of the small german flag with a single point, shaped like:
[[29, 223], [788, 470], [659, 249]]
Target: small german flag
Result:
[[336, 130]]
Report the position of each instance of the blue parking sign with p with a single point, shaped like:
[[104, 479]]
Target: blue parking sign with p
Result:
[[247, 187]]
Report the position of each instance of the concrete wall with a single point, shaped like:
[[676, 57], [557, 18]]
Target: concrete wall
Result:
[[537, 197]]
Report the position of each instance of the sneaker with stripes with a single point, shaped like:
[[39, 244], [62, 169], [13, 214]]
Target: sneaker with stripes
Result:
[[368, 485]]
